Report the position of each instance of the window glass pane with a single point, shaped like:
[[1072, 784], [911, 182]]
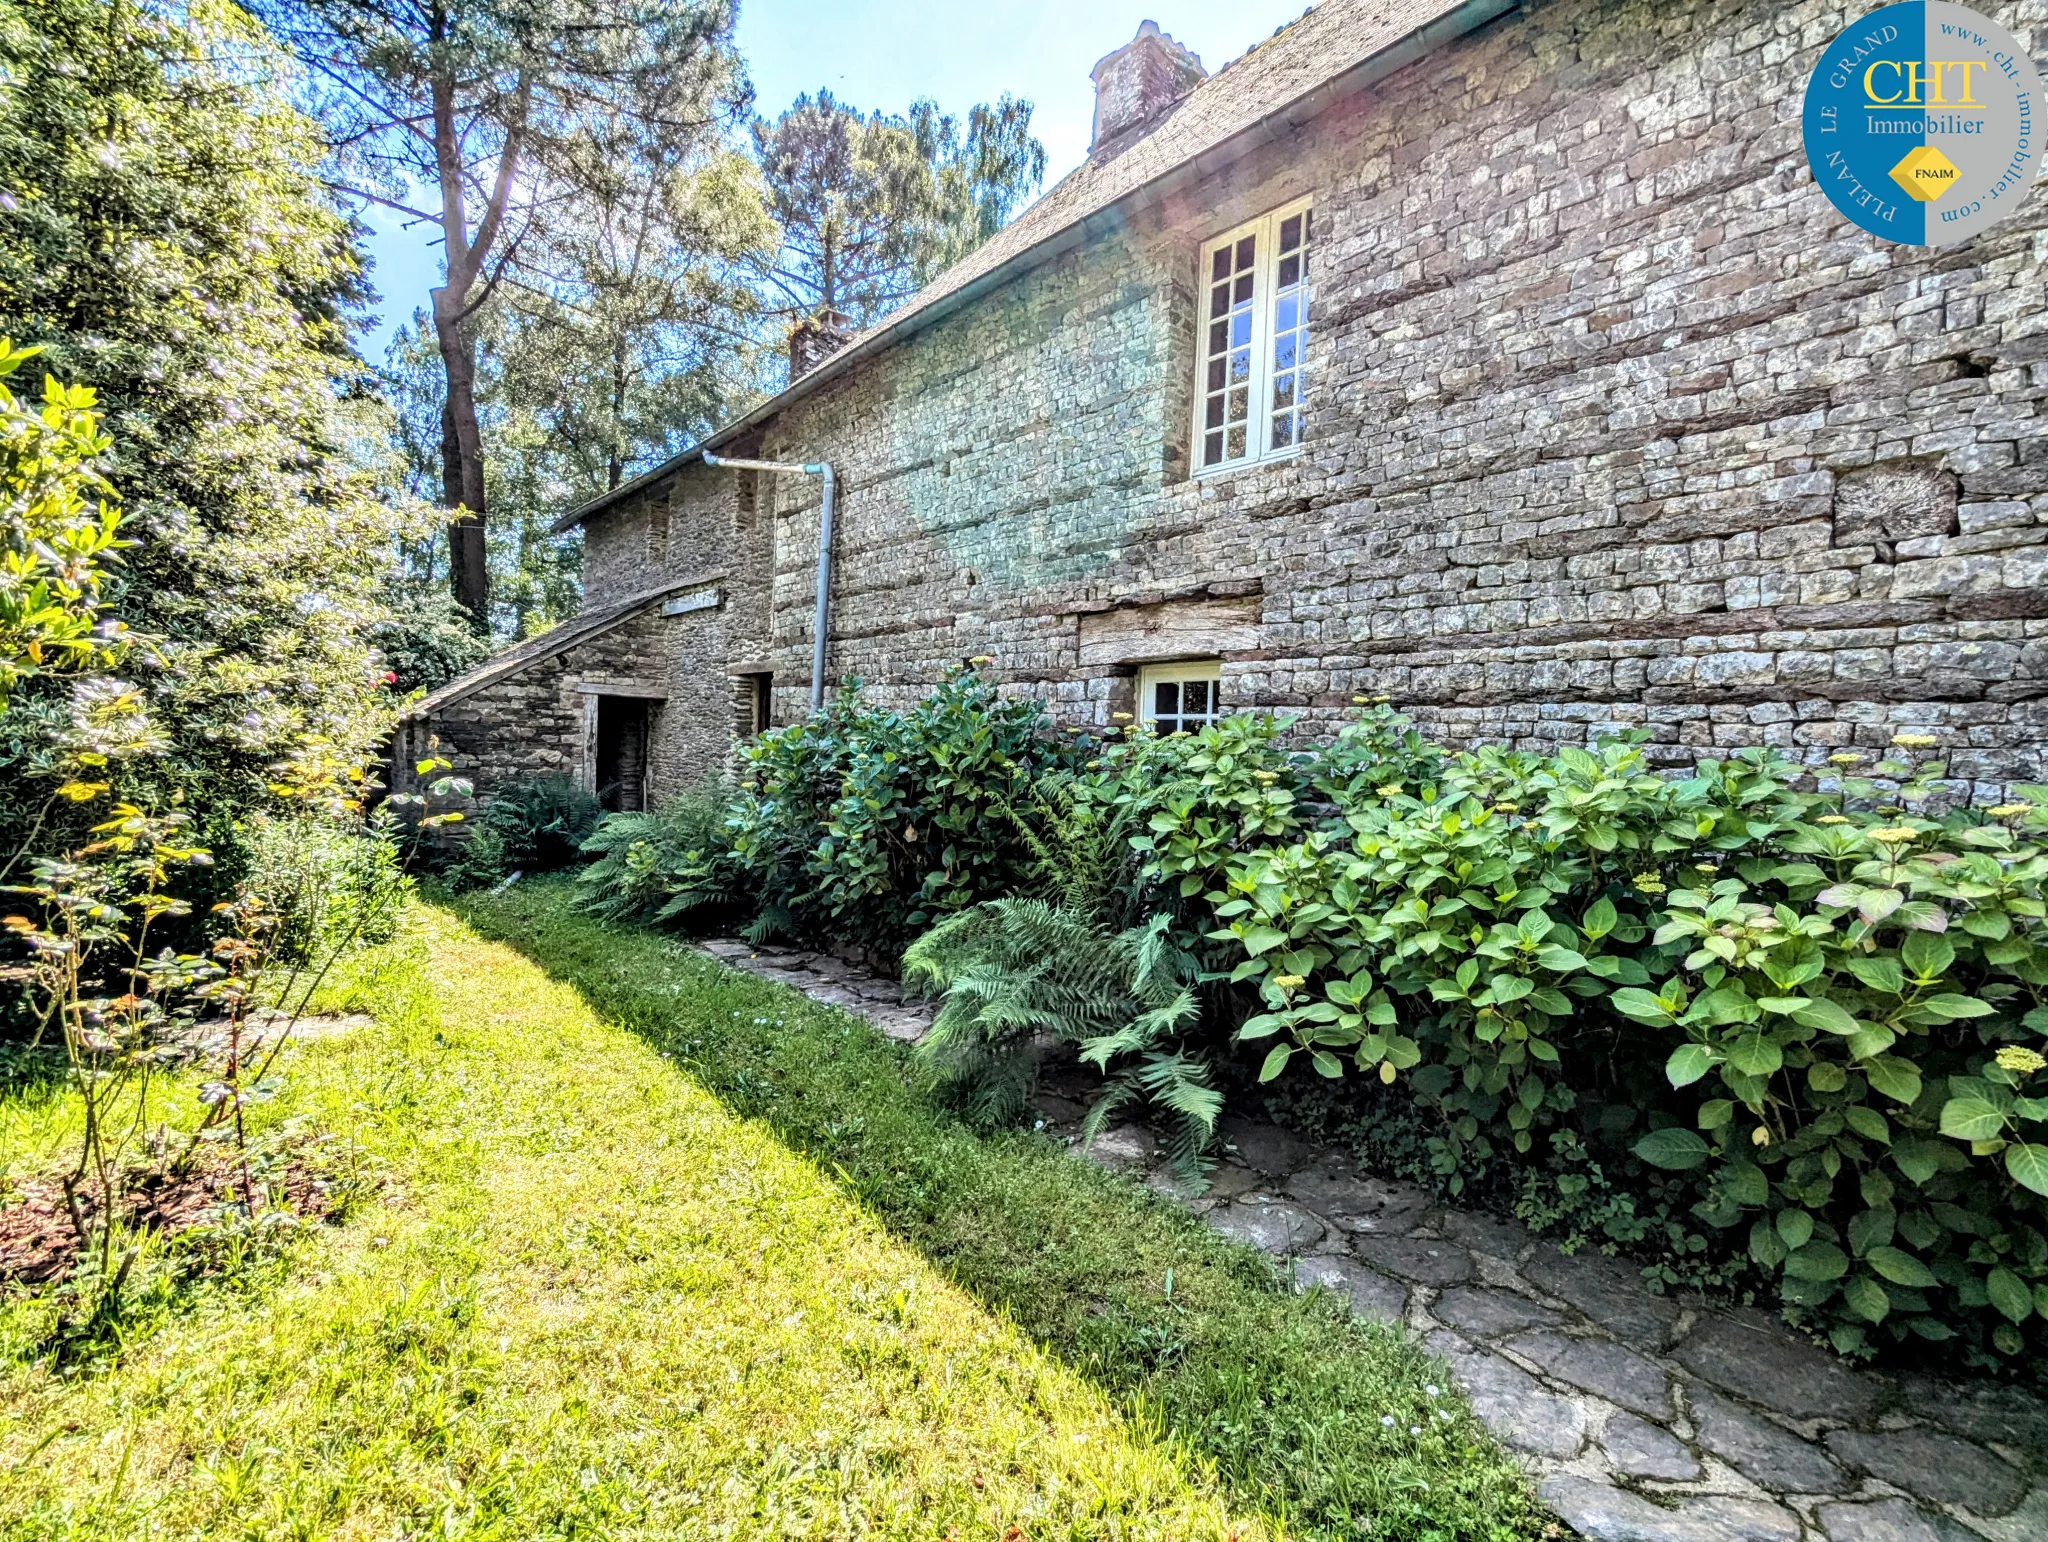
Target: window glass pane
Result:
[[1290, 335], [1227, 362], [1181, 698]]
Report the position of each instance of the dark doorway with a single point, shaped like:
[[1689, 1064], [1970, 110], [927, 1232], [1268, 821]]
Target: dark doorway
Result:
[[622, 723]]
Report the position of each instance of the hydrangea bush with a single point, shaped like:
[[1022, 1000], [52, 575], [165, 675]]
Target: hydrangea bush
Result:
[[1840, 993]]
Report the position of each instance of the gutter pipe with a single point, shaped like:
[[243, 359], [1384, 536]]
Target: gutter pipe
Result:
[[821, 621]]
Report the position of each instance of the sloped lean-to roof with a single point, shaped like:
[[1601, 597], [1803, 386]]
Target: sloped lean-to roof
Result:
[[572, 633], [1338, 48]]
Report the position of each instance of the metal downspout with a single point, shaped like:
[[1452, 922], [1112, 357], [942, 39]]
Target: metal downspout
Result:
[[821, 621]]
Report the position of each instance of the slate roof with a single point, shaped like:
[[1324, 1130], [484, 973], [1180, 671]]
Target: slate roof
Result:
[[1339, 47], [573, 633]]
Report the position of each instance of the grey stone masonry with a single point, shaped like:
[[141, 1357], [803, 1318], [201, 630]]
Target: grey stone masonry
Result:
[[1640, 1418], [1613, 423]]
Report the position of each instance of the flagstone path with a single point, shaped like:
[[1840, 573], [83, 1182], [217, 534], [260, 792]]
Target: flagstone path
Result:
[[1642, 1418]]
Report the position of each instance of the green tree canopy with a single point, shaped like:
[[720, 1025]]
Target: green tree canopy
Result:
[[872, 207], [166, 241], [477, 117]]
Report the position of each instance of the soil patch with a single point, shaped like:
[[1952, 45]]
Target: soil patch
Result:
[[39, 1244]]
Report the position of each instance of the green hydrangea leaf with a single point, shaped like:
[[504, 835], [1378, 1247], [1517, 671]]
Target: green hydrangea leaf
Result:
[[1971, 1119], [1754, 1055], [2009, 1294], [2028, 1165], [1688, 1063], [1896, 1078], [1827, 1016], [1901, 1268], [1818, 1261], [1674, 1149], [1867, 1299]]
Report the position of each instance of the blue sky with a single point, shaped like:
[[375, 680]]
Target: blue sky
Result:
[[886, 53]]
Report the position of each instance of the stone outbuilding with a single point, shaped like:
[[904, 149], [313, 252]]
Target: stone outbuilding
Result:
[[1501, 358]]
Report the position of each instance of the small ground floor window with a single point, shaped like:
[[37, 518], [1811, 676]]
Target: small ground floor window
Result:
[[1180, 698]]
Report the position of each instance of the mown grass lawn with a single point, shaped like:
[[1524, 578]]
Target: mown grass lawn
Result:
[[668, 1251]]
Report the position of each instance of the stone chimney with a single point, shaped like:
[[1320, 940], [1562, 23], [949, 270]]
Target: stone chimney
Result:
[[1137, 85], [814, 340]]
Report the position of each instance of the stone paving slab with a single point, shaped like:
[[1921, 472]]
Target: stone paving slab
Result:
[[1640, 1418]]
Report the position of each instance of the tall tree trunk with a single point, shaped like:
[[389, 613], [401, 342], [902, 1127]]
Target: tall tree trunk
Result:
[[462, 462]]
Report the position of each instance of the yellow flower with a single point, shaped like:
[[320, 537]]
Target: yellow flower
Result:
[[2009, 810], [1844, 760], [1893, 835], [1288, 982], [1506, 808], [2024, 1061], [1381, 701], [1390, 790], [1704, 867], [1834, 819], [1266, 776], [1360, 701], [1915, 741], [1649, 883], [982, 658], [1119, 717]]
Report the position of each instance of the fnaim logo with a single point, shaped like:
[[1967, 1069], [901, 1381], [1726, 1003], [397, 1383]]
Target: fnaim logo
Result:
[[1923, 123]]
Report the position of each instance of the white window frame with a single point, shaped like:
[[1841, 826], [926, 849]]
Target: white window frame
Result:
[[1265, 264], [1180, 673]]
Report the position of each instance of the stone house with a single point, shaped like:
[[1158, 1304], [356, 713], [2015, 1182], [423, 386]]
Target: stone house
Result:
[[1500, 358]]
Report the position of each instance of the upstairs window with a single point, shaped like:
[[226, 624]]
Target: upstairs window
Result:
[[1180, 698], [1250, 391]]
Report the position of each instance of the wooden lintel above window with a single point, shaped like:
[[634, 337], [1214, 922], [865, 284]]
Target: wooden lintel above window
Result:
[[1186, 629]]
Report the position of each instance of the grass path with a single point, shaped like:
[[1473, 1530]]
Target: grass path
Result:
[[600, 1300]]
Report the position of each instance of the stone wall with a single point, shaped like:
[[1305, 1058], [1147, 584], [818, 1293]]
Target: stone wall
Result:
[[537, 722], [1615, 423]]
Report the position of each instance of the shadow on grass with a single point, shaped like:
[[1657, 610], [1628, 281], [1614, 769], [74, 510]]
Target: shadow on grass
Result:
[[1330, 1422]]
